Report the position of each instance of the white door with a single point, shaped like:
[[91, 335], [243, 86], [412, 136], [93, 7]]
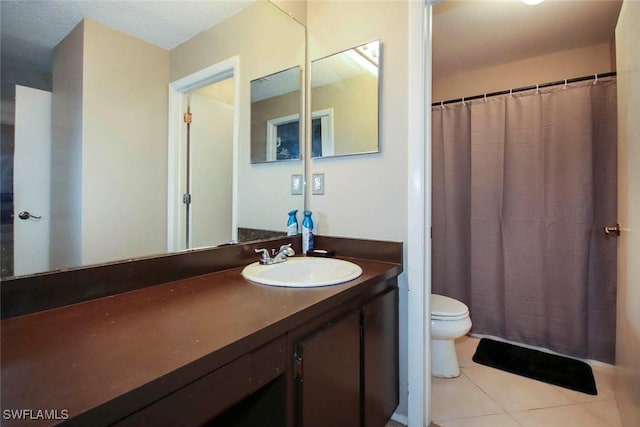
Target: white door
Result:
[[32, 180], [211, 171], [628, 292]]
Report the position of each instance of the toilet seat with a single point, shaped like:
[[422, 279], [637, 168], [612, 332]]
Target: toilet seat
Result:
[[447, 309]]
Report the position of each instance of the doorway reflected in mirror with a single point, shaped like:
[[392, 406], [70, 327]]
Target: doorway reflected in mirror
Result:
[[275, 116]]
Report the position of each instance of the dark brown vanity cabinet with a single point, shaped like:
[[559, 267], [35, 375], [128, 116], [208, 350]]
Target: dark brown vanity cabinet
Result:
[[346, 371], [189, 342], [380, 357]]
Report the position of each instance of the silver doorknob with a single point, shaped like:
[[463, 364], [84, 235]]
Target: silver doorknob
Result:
[[612, 231], [27, 215]]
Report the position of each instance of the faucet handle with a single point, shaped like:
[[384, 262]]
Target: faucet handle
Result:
[[264, 258], [287, 250]]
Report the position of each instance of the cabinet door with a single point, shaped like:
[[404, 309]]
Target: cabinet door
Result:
[[328, 375], [380, 350]]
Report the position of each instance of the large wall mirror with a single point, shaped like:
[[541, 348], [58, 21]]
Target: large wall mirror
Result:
[[276, 133], [344, 102], [107, 190]]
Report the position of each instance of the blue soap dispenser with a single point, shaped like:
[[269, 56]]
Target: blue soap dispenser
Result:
[[292, 223], [307, 233]]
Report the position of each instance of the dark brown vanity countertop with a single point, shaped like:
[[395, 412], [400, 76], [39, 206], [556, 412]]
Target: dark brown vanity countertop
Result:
[[102, 359]]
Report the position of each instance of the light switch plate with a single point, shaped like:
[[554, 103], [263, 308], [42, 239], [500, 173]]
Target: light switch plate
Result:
[[317, 183], [296, 185]]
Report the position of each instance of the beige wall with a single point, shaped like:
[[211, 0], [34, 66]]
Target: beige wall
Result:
[[366, 196], [628, 322], [124, 149], [266, 40], [66, 150], [109, 147], [297, 9], [354, 102], [540, 69], [363, 193]]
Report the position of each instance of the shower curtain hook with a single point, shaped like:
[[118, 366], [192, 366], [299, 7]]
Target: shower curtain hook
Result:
[[595, 82], [442, 104], [537, 87], [463, 103], [510, 93], [565, 83], [485, 97]]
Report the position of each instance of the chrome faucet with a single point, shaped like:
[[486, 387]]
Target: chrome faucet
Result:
[[283, 253]]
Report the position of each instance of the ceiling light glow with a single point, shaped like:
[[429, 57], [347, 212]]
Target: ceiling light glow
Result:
[[532, 2]]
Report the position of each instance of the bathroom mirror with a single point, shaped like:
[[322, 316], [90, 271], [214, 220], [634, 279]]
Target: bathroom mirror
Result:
[[344, 102], [116, 205], [275, 117]]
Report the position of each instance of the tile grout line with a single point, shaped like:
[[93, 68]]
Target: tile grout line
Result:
[[485, 393], [478, 385], [598, 415], [561, 406]]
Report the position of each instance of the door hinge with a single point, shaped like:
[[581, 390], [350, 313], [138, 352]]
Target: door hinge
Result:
[[188, 118], [297, 366], [186, 199]]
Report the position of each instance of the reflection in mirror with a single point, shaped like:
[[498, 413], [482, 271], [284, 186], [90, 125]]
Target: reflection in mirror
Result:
[[109, 163], [275, 117], [209, 222], [344, 102]]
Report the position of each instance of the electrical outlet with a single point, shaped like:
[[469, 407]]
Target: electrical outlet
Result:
[[317, 183], [296, 185]]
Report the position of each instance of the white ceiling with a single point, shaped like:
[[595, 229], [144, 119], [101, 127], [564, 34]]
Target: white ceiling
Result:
[[30, 29], [165, 23], [279, 83], [470, 34]]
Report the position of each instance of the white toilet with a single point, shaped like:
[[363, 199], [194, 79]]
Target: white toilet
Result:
[[449, 320]]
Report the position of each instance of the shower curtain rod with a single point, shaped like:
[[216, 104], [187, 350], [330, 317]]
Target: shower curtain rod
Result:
[[522, 89]]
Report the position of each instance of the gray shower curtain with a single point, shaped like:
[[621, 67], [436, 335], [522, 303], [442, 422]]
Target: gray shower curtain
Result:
[[523, 185]]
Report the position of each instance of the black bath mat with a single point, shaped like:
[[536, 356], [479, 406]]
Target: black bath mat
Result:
[[549, 368]]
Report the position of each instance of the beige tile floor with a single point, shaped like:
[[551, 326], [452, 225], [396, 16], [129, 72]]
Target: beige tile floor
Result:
[[488, 397]]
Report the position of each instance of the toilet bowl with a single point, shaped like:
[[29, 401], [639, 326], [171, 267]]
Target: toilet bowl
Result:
[[449, 320]]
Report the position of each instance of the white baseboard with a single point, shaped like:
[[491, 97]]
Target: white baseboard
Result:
[[400, 418]]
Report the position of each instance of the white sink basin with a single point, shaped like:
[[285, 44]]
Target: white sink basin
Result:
[[303, 272]]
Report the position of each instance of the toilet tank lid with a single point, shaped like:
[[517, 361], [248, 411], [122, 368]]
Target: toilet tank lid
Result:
[[445, 306]]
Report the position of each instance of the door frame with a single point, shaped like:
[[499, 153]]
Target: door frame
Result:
[[177, 155], [418, 259]]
